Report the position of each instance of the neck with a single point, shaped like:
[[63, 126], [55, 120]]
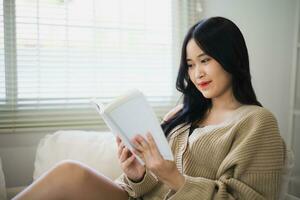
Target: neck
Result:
[[225, 102]]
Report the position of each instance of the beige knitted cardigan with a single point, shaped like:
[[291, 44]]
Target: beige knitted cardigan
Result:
[[241, 158]]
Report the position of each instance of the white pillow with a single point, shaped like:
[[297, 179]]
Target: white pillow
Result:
[[2, 183], [98, 150]]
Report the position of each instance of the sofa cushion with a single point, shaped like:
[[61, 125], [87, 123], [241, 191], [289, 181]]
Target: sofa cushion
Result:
[[98, 150]]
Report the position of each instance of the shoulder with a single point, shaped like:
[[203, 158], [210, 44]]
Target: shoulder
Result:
[[256, 119], [258, 114], [172, 112], [257, 142]]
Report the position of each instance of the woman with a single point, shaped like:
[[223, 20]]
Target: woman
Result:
[[225, 144]]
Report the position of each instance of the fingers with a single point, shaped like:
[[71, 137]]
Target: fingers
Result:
[[138, 153], [128, 162], [118, 139], [125, 153], [120, 148], [143, 147], [151, 142], [140, 143]]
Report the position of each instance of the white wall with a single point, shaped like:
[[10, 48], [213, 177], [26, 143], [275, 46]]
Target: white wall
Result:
[[268, 29]]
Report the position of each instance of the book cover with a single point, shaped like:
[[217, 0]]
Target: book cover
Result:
[[131, 114]]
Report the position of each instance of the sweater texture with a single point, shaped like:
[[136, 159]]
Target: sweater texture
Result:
[[241, 158]]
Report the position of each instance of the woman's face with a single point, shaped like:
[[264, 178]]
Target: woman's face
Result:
[[206, 73]]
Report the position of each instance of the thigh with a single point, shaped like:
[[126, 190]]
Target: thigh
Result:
[[74, 181], [96, 186]]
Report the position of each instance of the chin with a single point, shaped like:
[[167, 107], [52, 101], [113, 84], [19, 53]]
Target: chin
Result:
[[207, 95]]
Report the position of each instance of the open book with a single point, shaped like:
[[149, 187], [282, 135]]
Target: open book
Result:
[[131, 114]]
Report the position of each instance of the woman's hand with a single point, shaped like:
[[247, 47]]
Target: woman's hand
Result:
[[129, 164], [165, 170]]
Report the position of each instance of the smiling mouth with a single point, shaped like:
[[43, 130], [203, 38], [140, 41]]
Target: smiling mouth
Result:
[[205, 84]]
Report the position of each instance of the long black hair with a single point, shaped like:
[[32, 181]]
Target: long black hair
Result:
[[222, 40]]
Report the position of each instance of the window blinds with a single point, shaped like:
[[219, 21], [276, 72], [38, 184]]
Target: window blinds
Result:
[[2, 66], [61, 53]]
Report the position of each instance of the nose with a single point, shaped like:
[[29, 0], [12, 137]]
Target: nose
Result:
[[199, 73]]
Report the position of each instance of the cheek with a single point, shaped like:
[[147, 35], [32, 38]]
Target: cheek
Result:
[[191, 75], [223, 82]]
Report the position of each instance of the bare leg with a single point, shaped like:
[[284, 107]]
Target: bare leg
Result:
[[72, 180]]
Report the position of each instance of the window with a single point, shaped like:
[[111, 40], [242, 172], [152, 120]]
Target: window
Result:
[[65, 52], [2, 66]]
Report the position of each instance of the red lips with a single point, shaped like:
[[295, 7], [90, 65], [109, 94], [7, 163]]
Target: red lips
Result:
[[204, 84]]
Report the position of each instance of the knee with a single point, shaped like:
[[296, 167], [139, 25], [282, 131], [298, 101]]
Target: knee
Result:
[[70, 172]]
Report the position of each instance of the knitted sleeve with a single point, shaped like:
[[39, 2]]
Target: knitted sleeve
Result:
[[251, 170], [138, 189]]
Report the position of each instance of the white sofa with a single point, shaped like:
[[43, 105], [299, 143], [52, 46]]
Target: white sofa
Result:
[[98, 150]]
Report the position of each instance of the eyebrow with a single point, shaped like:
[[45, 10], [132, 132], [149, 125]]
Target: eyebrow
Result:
[[200, 55]]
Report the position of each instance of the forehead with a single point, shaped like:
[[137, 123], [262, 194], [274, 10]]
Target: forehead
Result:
[[192, 49]]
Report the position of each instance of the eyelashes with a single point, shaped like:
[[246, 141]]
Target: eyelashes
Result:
[[203, 61]]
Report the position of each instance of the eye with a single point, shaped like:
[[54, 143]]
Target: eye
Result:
[[205, 60], [190, 65]]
